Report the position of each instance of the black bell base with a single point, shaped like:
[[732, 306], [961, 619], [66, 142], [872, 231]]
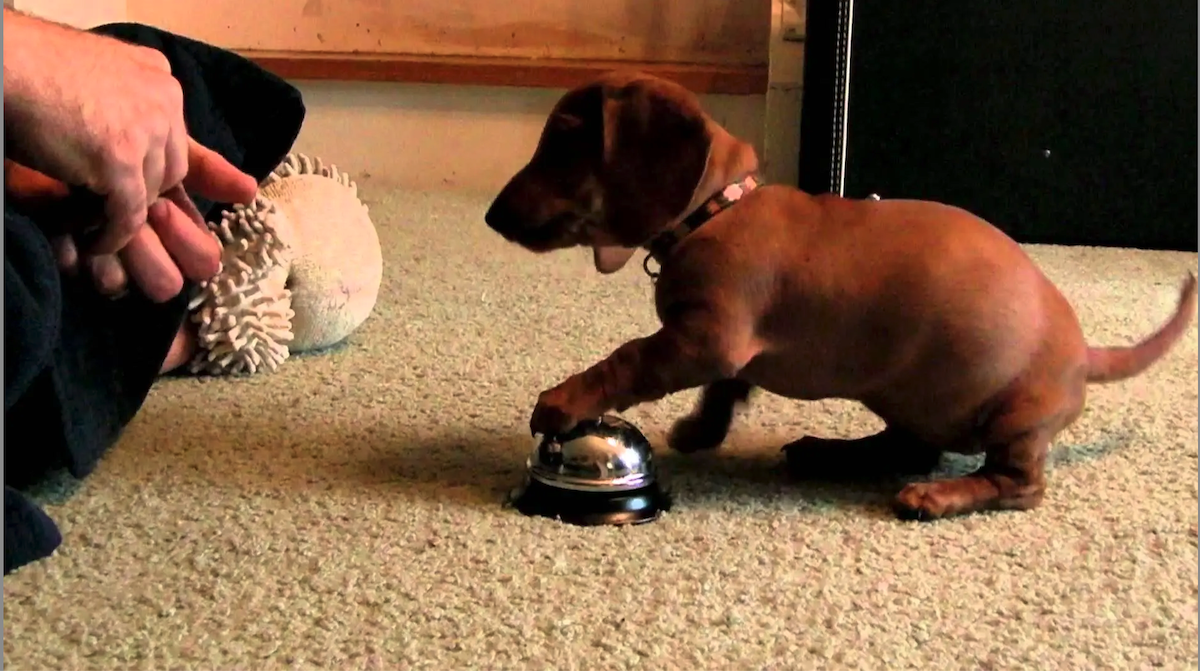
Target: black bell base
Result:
[[637, 506]]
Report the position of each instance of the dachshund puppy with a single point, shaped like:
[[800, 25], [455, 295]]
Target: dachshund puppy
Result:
[[930, 317]]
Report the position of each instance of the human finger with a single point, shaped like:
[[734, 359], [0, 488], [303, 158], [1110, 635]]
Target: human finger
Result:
[[66, 254], [175, 163], [213, 177], [125, 211], [150, 267], [196, 253], [153, 171], [29, 187], [180, 197], [108, 274], [57, 209]]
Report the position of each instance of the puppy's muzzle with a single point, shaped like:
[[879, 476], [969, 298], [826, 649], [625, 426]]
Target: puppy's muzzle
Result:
[[532, 218], [503, 219], [515, 209]]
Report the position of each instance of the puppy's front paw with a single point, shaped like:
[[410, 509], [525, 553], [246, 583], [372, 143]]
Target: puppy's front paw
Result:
[[555, 413]]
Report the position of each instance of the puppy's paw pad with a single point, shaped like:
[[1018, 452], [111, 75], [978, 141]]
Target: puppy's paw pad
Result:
[[923, 502]]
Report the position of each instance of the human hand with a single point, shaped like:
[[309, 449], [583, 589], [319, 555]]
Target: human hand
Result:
[[94, 112], [175, 244]]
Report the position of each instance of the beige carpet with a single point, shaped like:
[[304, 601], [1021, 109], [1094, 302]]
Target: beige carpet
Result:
[[345, 512]]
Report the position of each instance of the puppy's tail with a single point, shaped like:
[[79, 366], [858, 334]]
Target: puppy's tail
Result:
[[1112, 364]]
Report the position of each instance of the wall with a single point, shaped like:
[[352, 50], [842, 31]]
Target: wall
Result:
[[781, 106], [78, 13], [433, 136], [725, 32]]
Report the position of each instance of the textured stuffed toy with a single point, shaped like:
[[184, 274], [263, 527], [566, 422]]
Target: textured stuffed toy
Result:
[[300, 272]]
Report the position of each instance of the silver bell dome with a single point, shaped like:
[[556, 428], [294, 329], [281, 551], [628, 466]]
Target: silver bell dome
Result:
[[600, 472], [605, 455]]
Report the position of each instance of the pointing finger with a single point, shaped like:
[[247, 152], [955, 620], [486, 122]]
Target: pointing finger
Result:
[[213, 177]]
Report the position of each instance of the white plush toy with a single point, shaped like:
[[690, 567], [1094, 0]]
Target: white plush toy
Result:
[[301, 271]]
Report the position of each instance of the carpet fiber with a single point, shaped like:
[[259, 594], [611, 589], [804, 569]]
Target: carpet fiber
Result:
[[346, 511]]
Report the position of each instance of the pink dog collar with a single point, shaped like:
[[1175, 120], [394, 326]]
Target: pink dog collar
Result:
[[717, 203]]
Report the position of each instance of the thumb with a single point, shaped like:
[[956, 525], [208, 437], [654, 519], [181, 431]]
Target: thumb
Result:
[[27, 186], [58, 209]]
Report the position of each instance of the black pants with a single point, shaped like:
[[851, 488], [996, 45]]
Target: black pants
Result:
[[78, 365]]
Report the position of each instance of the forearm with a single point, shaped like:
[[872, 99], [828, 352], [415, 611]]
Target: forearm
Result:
[[35, 49]]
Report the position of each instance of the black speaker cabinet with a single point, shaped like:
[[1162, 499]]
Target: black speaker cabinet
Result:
[[1060, 121]]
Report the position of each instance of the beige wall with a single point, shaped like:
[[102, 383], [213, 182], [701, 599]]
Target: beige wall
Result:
[[78, 13], [781, 109], [431, 136], [724, 32]]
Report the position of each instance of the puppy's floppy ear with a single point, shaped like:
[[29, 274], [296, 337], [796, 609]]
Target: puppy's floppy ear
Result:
[[609, 259], [656, 145]]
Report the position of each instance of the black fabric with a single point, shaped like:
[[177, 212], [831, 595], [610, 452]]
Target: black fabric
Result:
[[29, 533], [78, 365], [1064, 122]]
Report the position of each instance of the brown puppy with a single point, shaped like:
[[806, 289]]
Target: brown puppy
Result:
[[930, 317]]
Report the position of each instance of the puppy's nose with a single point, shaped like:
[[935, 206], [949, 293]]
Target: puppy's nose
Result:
[[498, 217], [502, 217]]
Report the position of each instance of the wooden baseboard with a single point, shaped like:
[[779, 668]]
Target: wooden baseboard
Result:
[[535, 73]]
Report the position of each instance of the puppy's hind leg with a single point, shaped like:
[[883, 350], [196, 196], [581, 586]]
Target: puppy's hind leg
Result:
[[1012, 478], [1013, 475], [890, 452], [708, 425]]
